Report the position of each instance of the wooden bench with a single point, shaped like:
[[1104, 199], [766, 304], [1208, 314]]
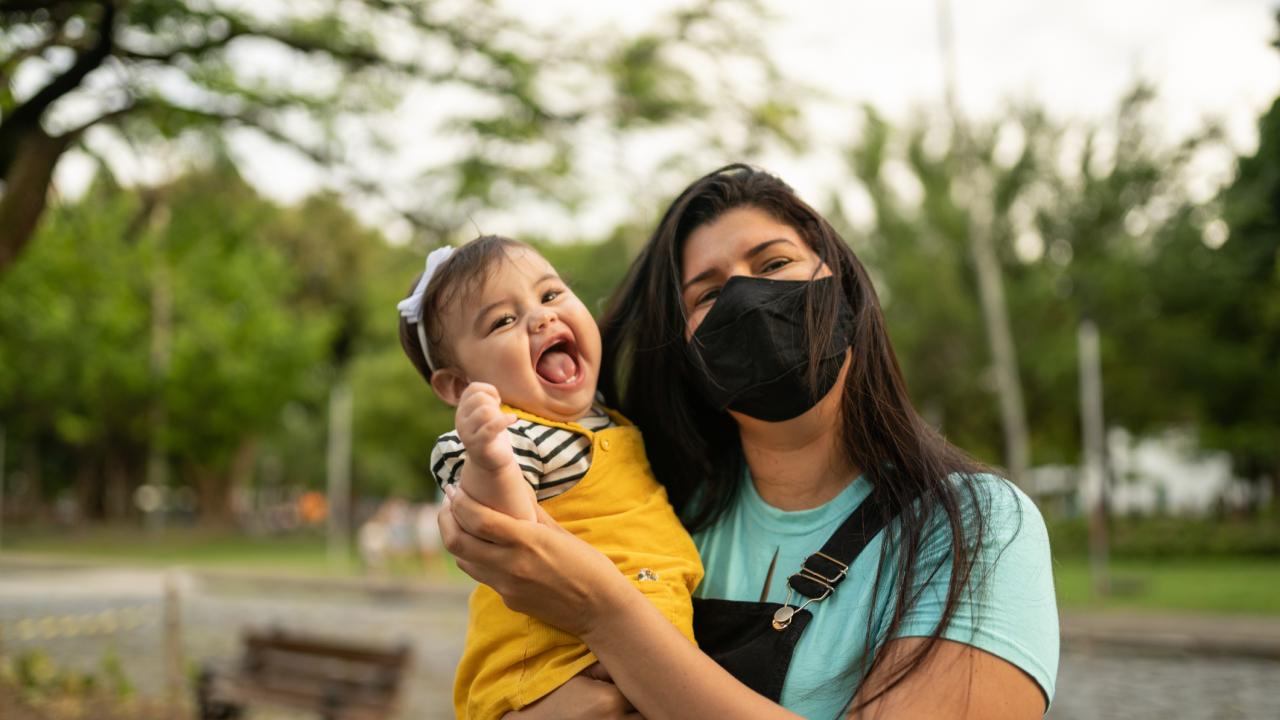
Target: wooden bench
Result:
[[337, 680]]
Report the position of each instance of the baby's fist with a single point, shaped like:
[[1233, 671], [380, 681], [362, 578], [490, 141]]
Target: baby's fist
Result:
[[482, 426]]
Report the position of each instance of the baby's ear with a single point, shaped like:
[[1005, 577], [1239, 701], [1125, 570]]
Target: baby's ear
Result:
[[448, 384]]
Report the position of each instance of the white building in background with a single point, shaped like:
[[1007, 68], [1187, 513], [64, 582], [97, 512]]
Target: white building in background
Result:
[[1166, 474]]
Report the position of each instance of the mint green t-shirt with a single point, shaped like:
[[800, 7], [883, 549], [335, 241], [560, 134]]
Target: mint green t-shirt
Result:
[[1011, 613]]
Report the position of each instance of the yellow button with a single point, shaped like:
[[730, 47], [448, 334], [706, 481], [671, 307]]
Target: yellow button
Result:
[[604, 444]]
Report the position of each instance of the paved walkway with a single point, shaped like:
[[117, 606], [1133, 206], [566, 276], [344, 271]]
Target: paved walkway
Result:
[[1257, 637], [1113, 666], [1243, 636]]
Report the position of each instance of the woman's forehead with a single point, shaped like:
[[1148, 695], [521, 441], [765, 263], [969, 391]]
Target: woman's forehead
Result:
[[734, 235]]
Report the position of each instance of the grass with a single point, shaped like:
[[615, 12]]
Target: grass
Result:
[[1226, 586], [303, 553], [206, 548], [1221, 586]]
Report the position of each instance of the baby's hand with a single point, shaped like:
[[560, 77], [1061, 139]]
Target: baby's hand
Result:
[[482, 427]]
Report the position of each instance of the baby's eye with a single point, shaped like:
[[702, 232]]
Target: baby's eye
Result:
[[502, 322], [775, 264], [550, 295]]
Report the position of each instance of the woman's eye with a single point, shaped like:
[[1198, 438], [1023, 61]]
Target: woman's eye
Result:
[[550, 295], [502, 322], [708, 296], [775, 264]]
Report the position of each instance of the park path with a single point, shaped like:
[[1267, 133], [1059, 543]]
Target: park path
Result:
[[1124, 666]]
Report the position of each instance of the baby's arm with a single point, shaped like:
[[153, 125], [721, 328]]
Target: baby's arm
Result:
[[491, 474]]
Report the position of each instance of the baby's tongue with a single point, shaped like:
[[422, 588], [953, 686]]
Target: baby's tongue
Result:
[[557, 366]]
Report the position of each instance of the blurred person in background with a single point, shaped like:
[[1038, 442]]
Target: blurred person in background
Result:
[[428, 535]]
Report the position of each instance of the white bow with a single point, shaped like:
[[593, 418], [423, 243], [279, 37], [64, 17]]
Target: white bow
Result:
[[411, 307]]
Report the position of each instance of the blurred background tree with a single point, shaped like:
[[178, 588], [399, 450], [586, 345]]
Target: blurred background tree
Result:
[[328, 81], [194, 325], [206, 334]]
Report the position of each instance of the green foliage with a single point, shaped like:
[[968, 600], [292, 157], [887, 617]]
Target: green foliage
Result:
[[1154, 538], [70, 318], [79, 334], [1242, 316], [324, 80], [33, 685], [1104, 232]]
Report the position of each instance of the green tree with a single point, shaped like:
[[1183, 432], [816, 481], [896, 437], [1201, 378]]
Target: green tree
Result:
[[74, 381], [322, 78], [79, 384], [242, 346], [1074, 239], [1217, 281]]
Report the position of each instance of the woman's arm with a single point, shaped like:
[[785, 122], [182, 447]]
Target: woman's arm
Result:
[[999, 655], [582, 698], [542, 570], [955, 681]]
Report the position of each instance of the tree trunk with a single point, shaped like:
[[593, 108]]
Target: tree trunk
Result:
[[995, 317], [242, 466], [213, 489], [26, 189], [33, 468], [1093, 489], [86, 489], [1275, 489], [339, 470], [116, 490], [976, 195]]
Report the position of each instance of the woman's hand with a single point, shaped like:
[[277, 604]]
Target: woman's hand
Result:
[[539, 568], [581, 697]]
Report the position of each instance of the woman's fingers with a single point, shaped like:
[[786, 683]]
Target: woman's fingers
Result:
[[483, 561], [544, 518], [483, 522]]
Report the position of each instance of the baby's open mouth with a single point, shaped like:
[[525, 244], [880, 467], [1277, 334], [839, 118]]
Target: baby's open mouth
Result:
[[558, 363]]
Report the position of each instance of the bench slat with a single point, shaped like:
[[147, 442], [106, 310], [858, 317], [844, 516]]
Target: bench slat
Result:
[[333, 678]]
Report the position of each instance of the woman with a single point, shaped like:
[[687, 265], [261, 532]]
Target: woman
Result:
[[752, 353]]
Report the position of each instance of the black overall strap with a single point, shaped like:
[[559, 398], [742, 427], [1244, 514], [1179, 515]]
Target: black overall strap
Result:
[[755, 641], [825, 569]]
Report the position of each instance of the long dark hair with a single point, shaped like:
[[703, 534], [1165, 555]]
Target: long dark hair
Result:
[[695, 449]]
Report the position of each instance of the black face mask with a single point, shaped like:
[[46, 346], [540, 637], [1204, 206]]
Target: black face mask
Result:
[[755, 350]]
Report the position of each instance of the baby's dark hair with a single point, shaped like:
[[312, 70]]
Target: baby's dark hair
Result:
[[463, 272]]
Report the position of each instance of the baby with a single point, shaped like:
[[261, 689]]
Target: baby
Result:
[[499, 335]]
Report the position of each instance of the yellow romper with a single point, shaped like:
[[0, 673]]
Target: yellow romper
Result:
[[510, 659]]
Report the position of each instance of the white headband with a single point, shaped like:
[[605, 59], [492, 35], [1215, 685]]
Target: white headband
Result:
[[411, 307]]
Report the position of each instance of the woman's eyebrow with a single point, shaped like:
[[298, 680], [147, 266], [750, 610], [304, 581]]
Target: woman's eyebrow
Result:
[[698, 278], [764, 245], [750, 254]]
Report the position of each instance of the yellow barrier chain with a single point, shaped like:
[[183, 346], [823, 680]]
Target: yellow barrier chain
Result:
[[102, 622]]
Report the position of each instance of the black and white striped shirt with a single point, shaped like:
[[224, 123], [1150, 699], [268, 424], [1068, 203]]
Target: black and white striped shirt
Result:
[[551, 458]]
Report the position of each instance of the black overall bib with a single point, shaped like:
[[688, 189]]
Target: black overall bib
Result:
[[754, 641]]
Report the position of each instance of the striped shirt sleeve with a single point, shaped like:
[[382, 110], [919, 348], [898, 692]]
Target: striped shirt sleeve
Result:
[[552, 459], [449, 455]]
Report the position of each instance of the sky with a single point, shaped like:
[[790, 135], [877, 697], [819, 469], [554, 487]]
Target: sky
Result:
[[1208, 59]]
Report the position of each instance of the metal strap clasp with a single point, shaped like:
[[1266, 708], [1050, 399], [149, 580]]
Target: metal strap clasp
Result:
[[782, 617]]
